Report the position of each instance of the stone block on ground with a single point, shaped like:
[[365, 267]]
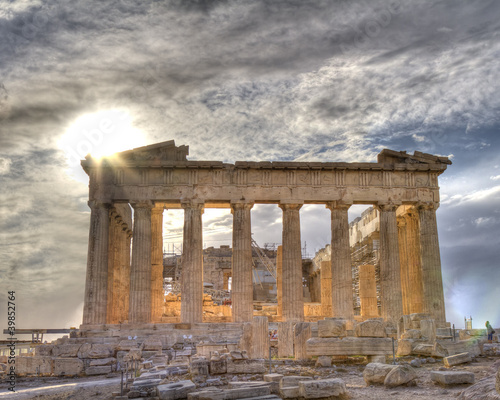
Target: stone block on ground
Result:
[[348, 346], [404, 347], [218, 366], [246, 367], [66, 350], [452, 377], [42, 365], [376, 373], [293, 380], [68, 366], [324, 362], [102, 361], [428, 329], [274, 380], [332, 327], [482, 390], [126, 345], [416, 318], [44, 350], [96, 351], [98, 370], [411, 334], [199, 366], [400, 375], [285, 339], [301, 334], [176, 390], [457, 359], [230, 394], [321, 388], [152, 344], [370, 328]]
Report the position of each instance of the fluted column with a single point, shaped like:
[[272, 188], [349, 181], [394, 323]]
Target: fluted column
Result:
[[293, 301], [95, 302], [192, 264], [368, 291], [403, 261], [279, 279], [242, 285], [411, 269], [342, 296], [157, 263], [140, 269], [125, 299], [390, 273], [326, 289], [433, 296], [113, 267]]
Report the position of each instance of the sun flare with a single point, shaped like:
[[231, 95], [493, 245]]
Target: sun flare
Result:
[[99, 134]]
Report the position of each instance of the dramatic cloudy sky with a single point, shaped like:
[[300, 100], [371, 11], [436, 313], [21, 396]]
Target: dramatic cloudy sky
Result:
[[237, 80]]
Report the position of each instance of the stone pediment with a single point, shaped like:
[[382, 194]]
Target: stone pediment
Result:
[[164, 151], [387, 156]]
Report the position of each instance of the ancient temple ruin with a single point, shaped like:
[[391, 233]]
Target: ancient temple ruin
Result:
[[124, 281]]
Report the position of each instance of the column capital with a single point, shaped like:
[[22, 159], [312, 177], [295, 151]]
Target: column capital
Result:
[[193, 204], [427, 205], [338, 205], [241, 205], [387, 206], [157, 210], [290, 206], [142, 204]]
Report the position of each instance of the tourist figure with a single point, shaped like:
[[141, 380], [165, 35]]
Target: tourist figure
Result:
[[490, 331]]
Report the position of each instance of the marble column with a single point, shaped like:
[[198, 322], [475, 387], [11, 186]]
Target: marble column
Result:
[[342, 295], [411, 268], [326, 289], [157, 298], [242, 285], [113, 267], [124, 272], [293, 302], [403, 261], [140, 269], [368, 291], [390, 270], [433, 295], [192, 264], [96, 285], [279, 280]]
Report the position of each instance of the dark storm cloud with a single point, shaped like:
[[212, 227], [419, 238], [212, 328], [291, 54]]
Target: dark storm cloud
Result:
[[262, 80]]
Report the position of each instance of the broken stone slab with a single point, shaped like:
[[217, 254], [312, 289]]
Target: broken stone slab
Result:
[[370, 328], [246, 367], [42, 365], [218, 367], [428, 329], [291, 392], [404, 347], [230, 394], [102, 361], [152, 375], [96, 351], [238, 384], [332, 327], [416, 318], [376, 373], [482, 390], [68, 366], [462, 346], [66, 350], [145, 385], [98, 370], [400, 375], [348, 346], [293, 380], [324, 362], [412, 334], [199, 366], [152, 344], [452, 377], [274, 380], [176, 390], [126, 345], [429, 350], [321, 388], [457, 359], [44, 350]]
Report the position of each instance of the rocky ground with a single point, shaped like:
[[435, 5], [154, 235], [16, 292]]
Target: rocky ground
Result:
[[101, 388]]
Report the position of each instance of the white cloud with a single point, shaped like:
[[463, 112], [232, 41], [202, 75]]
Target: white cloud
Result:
[[5, 164], [495, 178]]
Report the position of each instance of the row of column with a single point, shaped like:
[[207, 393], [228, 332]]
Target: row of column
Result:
[[108, 300]]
